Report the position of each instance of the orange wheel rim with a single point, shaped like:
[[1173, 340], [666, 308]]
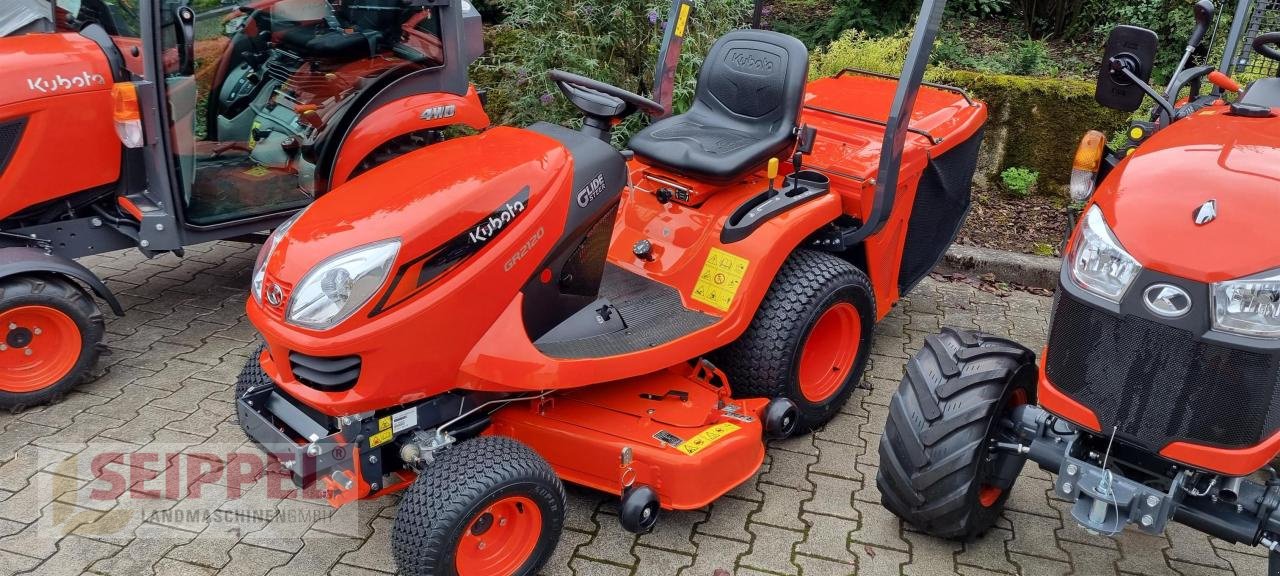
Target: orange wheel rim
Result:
[[41, 346], [988, 494], [501, 538], [829, 352]]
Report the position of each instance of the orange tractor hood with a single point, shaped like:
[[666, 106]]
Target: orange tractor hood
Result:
[[36, 66], [1151, 198]]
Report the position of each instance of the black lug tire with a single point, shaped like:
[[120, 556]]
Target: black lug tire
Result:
[[764, 361], [72, 300], [251, 376], [933, 453], [462, 481]]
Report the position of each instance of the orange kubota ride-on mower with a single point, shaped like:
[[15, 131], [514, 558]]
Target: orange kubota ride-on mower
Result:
[[1158, 392], [485, 318], [145, 124]]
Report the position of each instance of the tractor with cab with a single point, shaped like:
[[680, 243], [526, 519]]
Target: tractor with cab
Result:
[[477, 322], [1156, 399], [144, 124]]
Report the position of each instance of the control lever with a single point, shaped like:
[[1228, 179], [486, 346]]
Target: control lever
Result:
[[1224, 82], [807, 136], [773, 174]]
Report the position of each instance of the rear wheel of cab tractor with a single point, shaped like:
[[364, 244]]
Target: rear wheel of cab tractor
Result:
[[50, 330], [252, 376], [809, 340], [937, 467], [485, 506]]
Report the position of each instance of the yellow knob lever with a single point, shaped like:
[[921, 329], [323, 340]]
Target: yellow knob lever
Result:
[[773, 171]]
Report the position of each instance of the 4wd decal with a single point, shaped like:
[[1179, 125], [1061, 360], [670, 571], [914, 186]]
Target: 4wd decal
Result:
[[423, 271], [592, 191], [60, 83]]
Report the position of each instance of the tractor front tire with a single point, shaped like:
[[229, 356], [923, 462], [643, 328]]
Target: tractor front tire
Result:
[[485, 506], [937, 469], [252, 376], [50, 332], [809, 339]]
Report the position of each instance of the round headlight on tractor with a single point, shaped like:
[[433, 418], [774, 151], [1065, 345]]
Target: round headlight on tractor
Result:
[[1248, 306], [1098, 263], [339, 286]]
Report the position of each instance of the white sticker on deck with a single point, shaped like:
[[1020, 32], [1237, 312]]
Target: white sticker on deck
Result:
[[404, 420]]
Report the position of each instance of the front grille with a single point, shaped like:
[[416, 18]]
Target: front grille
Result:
[[326, 374], [1159, 384]]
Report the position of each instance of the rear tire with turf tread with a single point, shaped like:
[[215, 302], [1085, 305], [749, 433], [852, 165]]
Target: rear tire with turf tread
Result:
[[459, 485], [764, 362], [934, 470], [67, 297]]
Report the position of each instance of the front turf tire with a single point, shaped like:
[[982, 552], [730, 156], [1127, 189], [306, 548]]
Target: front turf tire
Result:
[[252, 376], [934, 467], [491, 489], [815, 296]]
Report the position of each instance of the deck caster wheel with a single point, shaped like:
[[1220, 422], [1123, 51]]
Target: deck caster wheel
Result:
[[485, 506], [780, 419], [639, 509], [50, 331], [938, 469], [809, 340]]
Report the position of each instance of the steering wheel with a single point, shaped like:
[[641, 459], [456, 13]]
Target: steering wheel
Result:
[[1265, 44], [600, 100]]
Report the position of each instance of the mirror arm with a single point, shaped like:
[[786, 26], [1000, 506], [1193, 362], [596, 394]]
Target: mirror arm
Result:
[[1173, 114]]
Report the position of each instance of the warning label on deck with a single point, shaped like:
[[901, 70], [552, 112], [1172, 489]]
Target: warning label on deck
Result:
[[721, 275], [707, 437]]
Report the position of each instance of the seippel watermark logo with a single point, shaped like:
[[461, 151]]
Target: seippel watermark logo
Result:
[[110, 491]]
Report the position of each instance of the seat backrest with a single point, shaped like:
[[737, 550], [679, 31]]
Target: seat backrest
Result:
[[753, 80], [383, 16]]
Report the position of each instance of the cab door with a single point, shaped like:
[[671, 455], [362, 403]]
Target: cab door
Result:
[[236, 146]]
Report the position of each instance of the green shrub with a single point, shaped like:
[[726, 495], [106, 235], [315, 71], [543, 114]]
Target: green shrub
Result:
[[1054, 18], [978, 8], [1031, 58], [1019, 181], [611, 41], [819, 22]]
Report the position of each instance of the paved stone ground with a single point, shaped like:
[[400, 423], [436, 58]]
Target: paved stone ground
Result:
[[812, 510]]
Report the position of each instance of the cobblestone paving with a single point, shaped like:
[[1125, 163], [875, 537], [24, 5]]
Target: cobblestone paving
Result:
[[813, 509]]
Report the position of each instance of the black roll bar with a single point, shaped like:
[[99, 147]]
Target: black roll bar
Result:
[[896, 128], [1231, 52]]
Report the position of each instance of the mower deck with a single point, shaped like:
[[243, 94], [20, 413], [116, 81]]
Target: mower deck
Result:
[[675, 432]]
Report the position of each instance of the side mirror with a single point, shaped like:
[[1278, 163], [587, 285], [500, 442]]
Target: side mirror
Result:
[[1130, 50]]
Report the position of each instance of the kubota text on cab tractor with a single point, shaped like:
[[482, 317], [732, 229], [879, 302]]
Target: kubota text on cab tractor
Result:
[[1158, 398], [141, 123], [482, 319]]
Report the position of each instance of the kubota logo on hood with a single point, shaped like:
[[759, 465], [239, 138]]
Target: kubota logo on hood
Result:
[[504, 215], [60, 83]]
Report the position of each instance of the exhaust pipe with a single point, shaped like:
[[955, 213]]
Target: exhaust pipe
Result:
[[1230, 490]]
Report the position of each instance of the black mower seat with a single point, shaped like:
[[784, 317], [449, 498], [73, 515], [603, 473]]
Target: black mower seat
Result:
[[1263, 92], [745, 109]]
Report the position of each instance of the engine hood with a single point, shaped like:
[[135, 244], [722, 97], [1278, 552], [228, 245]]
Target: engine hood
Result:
[[1152, 198], [46, 65]]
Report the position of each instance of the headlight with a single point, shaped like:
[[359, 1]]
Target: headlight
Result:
[[1098, 262], [269, 248], [339, 286], [1249, 306]]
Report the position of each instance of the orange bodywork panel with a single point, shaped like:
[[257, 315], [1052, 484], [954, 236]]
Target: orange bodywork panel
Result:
[[61, 85], [689, 449], [466, 329], [1055, 401]]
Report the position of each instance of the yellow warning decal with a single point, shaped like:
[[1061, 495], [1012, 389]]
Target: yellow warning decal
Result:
[[381, 438], [683, 20], [384, 423], [721, 275], [258, 171], [707, 437]]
